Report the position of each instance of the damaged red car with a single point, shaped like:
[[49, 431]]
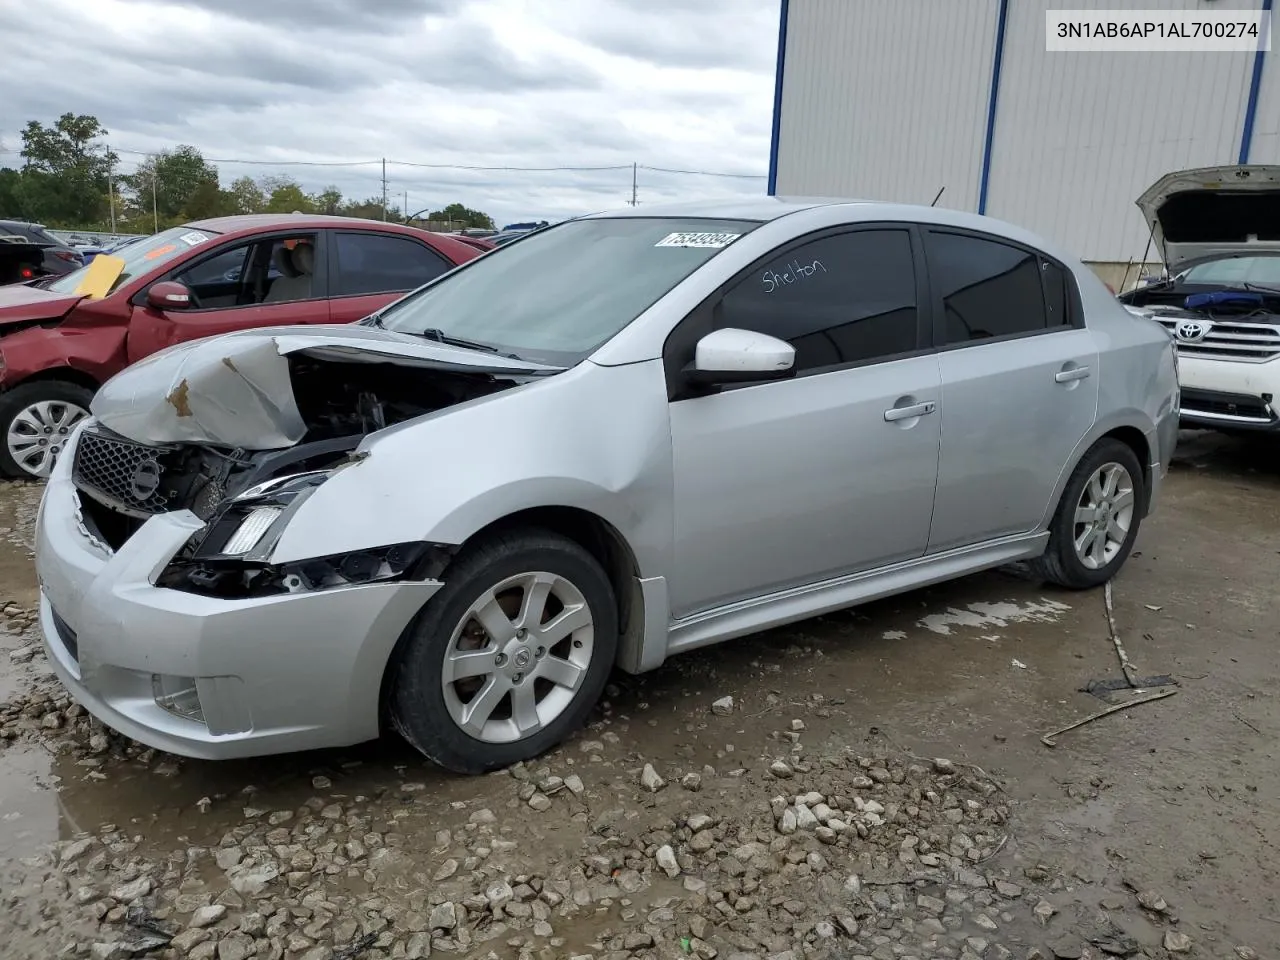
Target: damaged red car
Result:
[[61, 339]]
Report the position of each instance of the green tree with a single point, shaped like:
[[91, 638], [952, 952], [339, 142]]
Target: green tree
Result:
[[65, 171], [367, 209], [180, 175], [285, 195], [10, 194], [462, 216], [246, 196], [328, 201]]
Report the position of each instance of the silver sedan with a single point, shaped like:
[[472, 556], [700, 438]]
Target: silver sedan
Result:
[[627, 436]]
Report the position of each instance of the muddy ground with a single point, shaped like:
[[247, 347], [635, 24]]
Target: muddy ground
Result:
[[878, 788]]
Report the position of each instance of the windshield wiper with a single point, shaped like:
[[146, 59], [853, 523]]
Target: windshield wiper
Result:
[[439, 336], [1261, 288]]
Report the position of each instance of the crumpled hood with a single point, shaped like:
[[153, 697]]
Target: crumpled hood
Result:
[[20, 303], [1213, 212], [234, 390]]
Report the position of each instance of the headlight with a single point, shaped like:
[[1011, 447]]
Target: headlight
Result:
[[251, 530]]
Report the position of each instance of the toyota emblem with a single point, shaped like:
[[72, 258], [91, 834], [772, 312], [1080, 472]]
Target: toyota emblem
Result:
[[1192, 331], [145, 480]]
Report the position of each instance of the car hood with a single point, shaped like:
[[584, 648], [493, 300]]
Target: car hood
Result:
[[20, 303], [1213, 212], [235, 390]]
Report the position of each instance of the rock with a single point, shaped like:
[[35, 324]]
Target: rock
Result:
[[781, 770], [848, 925], [253, 881], [1067, 948], [699, 822], [666, 859], [207, 916], [722, 707], [235, 946], [1007, 889], [74, 850], [482, 817], [1043, 911], [540, 802], [128, 892], [650, 780], [1246, 953], [227, 857], [447, 870], [691, 782], [788, 824], [805, 820], [1152, 901], [499, 893], [321, 783], [418, 947], [187, 939], [943, 766], [930, 904], [574, 783], [1175, 941], [639, 940], [444, 916]]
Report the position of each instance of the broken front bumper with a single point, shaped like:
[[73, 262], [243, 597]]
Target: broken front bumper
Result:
[[200, 676]]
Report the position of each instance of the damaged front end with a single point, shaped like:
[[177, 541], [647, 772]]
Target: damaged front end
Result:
[[241, 430]]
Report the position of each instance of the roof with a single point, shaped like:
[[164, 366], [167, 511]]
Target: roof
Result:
[[739, 208], [260, 221]]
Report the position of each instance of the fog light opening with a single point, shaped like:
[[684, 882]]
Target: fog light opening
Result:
[[178, 696]]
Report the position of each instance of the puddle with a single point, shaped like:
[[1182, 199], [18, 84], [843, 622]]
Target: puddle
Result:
[[29, 815], [1000, 614]]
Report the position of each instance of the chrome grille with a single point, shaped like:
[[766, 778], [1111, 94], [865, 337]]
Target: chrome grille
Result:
[[1228, 340], [124, 475]]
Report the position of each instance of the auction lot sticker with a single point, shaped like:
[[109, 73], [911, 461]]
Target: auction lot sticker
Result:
[[709, 240]]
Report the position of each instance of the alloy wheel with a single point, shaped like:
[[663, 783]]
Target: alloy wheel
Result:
[[517, 657], [39, 432], [1104, 515]]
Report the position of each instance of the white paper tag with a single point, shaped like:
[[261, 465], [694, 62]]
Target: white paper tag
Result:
[[193, 239], [704, 240]]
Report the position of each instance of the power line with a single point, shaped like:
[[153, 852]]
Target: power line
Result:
[[707, 173]]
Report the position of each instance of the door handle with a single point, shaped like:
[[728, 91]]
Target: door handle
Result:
[[1075, 373], [906, 413]]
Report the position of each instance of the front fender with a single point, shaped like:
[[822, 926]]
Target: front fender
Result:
[[593, 438]]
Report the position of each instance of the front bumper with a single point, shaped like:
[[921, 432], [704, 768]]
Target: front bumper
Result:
[[1229, 395], [274, 674]]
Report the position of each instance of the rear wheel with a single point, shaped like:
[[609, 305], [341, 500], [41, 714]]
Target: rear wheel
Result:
[[510, 656], [36, 420], [1097, 519]]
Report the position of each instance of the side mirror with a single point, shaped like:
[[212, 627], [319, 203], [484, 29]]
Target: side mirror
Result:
[[740, 356], [169, 295]]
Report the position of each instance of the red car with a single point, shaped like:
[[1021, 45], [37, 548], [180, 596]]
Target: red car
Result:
[[58, 345]]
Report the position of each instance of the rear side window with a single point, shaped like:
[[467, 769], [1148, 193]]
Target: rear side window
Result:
[[842, 299], [1056, 298], [988, 289], [371, 263]]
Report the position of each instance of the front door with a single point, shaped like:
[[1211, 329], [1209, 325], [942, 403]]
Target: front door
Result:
[[1019, 383], [265, 282], [792, 482]]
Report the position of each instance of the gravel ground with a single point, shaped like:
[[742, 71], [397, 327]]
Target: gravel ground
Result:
[[757, 802]]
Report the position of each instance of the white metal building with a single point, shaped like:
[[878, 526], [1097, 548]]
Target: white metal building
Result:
[[896, 99]]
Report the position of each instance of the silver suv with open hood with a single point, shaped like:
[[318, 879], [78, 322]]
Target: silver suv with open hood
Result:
[[1218, 232], [623, 437]]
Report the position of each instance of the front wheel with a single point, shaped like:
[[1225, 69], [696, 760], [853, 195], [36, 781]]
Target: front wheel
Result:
[[36, 420], [510, 656], [1097, 519]]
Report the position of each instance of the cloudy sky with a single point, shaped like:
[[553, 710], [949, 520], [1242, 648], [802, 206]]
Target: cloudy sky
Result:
[[683, 84]]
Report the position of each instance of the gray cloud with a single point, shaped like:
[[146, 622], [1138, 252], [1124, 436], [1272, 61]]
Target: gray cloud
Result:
[[577, 83]]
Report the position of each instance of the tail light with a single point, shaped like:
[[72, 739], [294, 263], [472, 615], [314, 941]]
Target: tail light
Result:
[[26, 273], [69, 256]]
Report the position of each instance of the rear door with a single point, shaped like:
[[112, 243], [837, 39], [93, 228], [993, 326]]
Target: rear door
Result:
[[1019, 384], [230, 289], [369, 270]]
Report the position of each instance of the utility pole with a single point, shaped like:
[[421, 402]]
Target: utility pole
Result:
[[384, 188], [404, 211], [155, 209], [633, 183], [111, 198]]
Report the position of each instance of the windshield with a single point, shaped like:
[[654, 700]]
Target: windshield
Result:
[[561, 292], [141, 257], [1235, 272]]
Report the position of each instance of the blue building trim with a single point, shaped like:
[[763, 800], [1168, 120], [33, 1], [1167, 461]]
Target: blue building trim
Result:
[[777, 97], [1002, 20], [1255, 84]]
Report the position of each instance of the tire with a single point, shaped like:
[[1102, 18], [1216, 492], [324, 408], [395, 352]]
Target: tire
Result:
[[431, 714], [1064, 563], [35, 411]]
